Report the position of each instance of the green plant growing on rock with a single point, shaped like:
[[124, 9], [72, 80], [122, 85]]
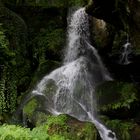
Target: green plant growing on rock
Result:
[[57, 124], [116, 95], [6, 55], [7, 80], [2, 89], [123, 129], [60, 127], [13, 53]]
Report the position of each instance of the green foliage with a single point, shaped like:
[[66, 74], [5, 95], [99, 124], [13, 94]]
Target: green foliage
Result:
[[12, 58], [57, 124], [59, 127], [123, 129], [50, 43], [12, 132], [116, 95], [2, 90], [58, 137], [8, 79], [8, 91], [11, 91], [39, 133], [55, 40], [70, 128], [88, 132], [5, 54]]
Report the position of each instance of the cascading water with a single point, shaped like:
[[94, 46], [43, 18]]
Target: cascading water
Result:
[[70, 89], [125, 53]]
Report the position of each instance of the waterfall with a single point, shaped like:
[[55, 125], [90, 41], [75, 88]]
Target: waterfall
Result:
[[70, 89], [126, 51]]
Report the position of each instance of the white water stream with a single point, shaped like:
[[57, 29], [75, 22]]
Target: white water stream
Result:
[[125, 53], [70, 89]]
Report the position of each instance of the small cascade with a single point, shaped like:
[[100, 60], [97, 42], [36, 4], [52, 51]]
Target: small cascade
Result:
[[70, 89], [126, 51]]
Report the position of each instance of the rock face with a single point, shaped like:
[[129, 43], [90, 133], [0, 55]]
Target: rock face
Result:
[[135, 24], [123, 15], [110, 11]]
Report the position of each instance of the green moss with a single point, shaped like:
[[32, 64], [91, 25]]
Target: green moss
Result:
[[57, 120], [89, 132], [55, 40], [30, 107], [71, 128]]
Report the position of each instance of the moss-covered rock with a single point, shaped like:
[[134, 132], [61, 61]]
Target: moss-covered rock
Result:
[[117, 99], [30, 107], [71, 128], [60, 127], [63, 125], [116, 12], [34, 111]]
